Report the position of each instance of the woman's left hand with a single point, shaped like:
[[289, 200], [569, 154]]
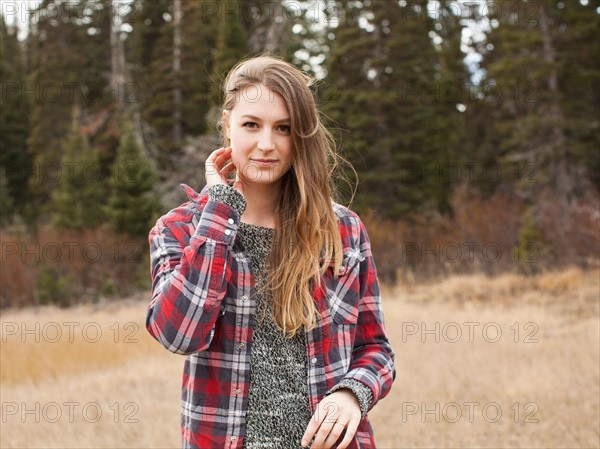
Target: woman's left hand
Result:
[[336, 412]]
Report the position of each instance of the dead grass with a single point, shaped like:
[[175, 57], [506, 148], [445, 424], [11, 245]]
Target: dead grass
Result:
[[544, 379], [572, 291], [49, 343], [543, 366]]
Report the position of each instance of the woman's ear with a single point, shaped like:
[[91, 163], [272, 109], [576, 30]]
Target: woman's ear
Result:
[[225, 119]]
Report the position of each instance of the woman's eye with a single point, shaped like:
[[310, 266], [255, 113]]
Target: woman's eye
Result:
[[249, 125], [285, 129]]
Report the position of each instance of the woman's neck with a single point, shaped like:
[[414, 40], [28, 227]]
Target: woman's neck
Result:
[[261, 201]]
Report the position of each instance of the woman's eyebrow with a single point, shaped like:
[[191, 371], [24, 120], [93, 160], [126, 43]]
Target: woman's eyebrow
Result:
[[254, 117]]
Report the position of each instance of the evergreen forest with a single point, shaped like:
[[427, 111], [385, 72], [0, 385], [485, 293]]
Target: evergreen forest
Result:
[[471, 129]]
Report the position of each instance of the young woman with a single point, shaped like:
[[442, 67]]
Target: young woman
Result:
[[268, 285]]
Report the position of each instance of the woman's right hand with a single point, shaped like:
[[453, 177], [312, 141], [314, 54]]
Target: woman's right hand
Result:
[[217, 169]]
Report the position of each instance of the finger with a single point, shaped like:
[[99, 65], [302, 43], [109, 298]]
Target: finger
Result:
[[222, 157], [212, 156], [314, 423], [325, 412], [350, 432], [211, 162], [322, 434], [225, 171], [330, 410], [334, 435], [214, 164]]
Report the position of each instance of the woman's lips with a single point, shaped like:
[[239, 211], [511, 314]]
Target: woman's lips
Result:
[[264, 162]]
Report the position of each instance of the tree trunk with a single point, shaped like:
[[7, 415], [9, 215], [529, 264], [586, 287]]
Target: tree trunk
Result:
[[176, 73], [560, 168], [117, 58], [275, 30]]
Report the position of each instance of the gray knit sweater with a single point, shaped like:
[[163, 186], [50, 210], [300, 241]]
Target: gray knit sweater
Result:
[[278, 387], [278, 405]]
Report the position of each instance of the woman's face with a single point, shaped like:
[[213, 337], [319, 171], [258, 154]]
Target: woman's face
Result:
[[259, 129]]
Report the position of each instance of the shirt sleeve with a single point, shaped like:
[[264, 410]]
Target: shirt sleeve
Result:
[[229, 196], [372, 356], [361, 391], [190, 274]]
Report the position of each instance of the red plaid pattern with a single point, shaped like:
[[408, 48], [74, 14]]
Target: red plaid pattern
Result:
[[203, 306]]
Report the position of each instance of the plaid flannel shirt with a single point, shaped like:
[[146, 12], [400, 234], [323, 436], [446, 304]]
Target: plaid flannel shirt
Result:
[[203, 306]]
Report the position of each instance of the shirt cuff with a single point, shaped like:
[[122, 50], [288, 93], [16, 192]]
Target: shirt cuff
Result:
[[361, 391], [228, 195]]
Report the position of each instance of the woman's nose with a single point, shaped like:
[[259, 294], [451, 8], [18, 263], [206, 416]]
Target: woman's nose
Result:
[[265, 140]]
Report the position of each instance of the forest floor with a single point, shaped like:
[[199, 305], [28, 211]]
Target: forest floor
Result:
[[481, 362]]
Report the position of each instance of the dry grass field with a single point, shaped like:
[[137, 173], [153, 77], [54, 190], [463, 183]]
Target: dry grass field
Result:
[[482, 363]]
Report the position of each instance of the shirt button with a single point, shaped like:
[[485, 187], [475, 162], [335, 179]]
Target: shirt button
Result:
[[234, 438], [230, 221], [227, 231], [313, 360], [238, 391], [245, 298], [242, 345]]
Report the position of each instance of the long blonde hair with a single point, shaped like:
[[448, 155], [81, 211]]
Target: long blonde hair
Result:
[[307, 230]]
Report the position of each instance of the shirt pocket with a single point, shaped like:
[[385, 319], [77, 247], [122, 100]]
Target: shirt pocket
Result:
[[343, 292]]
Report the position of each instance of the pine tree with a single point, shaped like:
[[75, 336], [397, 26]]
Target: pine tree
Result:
[[133, 205], [159, 104], [199, 43], [98, 89], [386, 73], [232, 41], [14, 117], [541, 60], [149, 51], [452, 81], [146, 20], [308, 33], [77, 201], [6, 202], [347, 91], [69, 64], [177, 99], [269, 24], [575, 31]]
